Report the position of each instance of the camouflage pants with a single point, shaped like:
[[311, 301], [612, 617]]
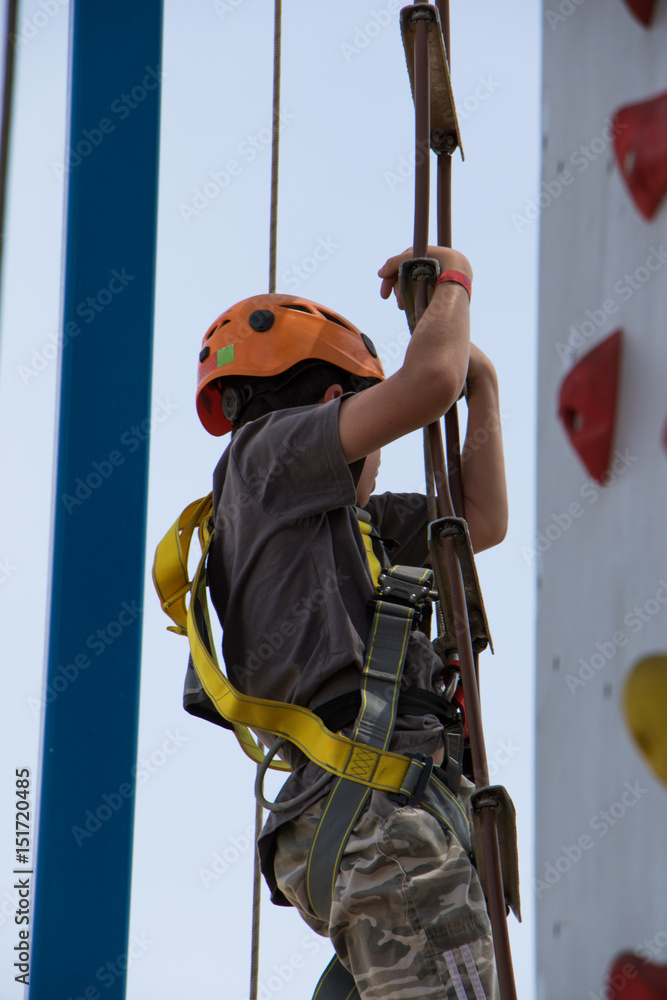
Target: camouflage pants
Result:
[[408, 918]]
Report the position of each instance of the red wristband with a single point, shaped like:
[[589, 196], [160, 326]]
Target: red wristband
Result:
[[458, 277]]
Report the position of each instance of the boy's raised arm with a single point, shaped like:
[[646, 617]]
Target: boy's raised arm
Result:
[[482, 460]]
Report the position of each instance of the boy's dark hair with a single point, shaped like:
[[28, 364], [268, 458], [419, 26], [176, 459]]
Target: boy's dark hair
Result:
[[302, 385]]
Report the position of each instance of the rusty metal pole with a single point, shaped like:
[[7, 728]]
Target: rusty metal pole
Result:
[[490, 847], [423, 164], [444, 203]]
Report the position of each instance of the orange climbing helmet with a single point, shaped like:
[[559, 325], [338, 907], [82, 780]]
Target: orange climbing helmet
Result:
[[264, 336]]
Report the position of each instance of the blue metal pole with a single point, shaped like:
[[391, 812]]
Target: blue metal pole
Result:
[[79, 945]]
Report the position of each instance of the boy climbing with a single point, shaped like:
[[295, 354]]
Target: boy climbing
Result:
[[298, 551]]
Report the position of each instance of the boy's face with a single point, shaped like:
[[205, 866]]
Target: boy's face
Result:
[[366, 483]]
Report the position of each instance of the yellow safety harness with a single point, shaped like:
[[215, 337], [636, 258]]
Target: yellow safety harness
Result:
[[346, 758], [373, 561]]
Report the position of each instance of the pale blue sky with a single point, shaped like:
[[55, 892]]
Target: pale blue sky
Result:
[[346, 187]]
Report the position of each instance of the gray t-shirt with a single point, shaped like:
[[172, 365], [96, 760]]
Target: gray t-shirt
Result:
[[289, 575]]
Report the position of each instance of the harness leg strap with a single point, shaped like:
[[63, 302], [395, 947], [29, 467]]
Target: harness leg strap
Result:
[[336, 983]]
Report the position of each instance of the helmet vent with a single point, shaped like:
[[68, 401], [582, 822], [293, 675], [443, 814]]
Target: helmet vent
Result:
[[301, 309], [334, 319], [370, 345], [217, 327]]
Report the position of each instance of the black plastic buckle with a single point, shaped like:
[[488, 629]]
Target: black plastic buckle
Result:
[[402, 591], [424, 778]]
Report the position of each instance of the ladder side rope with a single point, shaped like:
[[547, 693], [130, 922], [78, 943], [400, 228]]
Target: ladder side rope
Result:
[[273, 248], [444, 216], [256, 904], [275, 144]]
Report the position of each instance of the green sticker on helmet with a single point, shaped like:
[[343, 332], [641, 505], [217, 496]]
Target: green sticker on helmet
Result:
[[225, 355]]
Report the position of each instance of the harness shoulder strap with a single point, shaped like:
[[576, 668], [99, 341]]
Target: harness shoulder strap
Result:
[[170, 566]]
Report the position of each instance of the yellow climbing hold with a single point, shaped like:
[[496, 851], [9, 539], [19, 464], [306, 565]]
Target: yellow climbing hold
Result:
[[645, 703]]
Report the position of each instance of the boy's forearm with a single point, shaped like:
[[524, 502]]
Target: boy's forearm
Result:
[[441, 341], [483, 465], [436, 361]]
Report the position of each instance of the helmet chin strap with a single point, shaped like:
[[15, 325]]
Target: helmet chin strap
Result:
[[270, 396]]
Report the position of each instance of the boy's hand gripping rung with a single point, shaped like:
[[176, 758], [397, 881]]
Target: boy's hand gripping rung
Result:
[[413, 270]]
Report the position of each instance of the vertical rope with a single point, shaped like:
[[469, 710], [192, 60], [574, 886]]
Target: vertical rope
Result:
[[275, 144], [7, 92], [273, 246], [256, 901]]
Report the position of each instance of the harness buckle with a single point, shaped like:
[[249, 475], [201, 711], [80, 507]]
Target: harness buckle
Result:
[[393, 587], [425, 772]]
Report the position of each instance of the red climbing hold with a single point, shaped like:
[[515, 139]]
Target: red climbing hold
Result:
[[640, 145], [632, 978], [587, 404], [642, 9]]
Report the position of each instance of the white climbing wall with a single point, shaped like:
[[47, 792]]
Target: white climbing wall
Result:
[[600, 553]]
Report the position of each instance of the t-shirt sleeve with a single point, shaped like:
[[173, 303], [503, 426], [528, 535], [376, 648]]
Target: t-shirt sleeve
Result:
[[292, 464], [402, 521]]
